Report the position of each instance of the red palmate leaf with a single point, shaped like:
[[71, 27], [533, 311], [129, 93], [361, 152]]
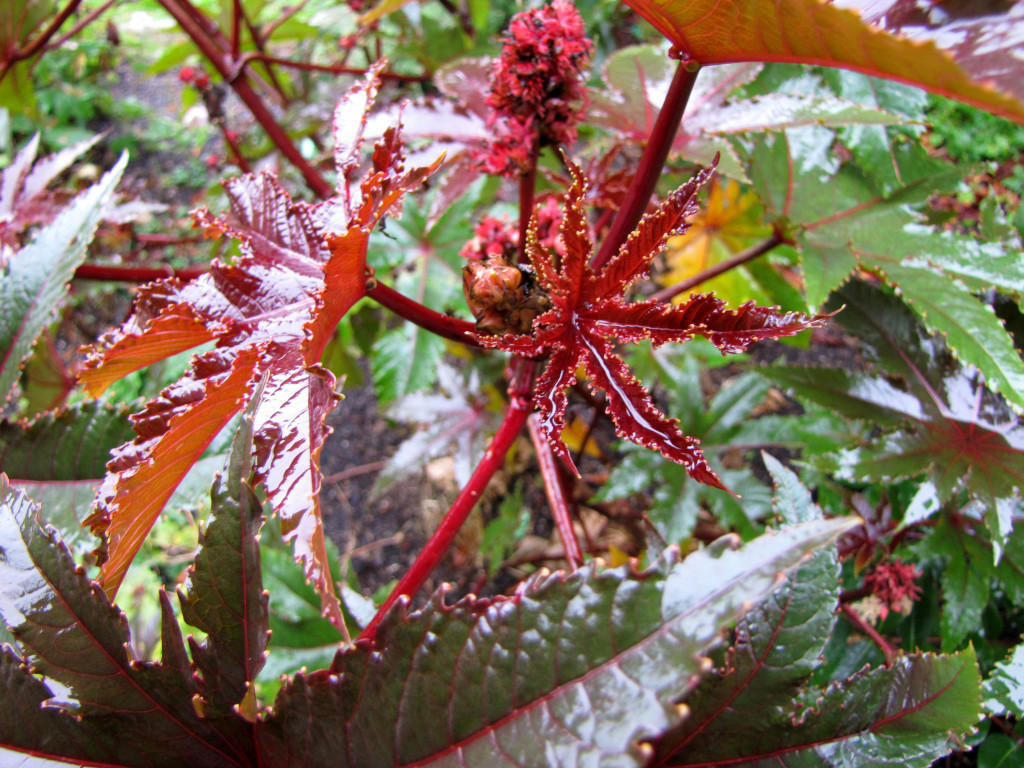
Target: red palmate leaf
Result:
[[963, 51], [271, 314], [588, 313]]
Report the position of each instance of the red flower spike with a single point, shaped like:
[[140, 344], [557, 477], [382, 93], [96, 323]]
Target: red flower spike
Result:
[[894, 584], [589, 313], [536, 90]]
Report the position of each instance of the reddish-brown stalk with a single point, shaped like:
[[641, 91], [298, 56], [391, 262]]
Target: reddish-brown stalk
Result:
[[446, 326], [651, 163], [192, 23], [741, 258], [549, 472], [440, 542]]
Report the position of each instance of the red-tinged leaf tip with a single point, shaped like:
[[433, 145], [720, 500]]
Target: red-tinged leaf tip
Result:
[[140, 491], [634, 258], [132, 347], [635, 416]]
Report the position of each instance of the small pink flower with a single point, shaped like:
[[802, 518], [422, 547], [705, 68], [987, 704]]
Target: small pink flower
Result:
[[493, 237], [187, 74], [893, 584]]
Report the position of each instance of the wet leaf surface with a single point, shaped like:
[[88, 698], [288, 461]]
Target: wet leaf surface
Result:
[[955, 51]]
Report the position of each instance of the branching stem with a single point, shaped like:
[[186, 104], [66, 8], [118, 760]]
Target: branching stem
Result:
[[651, 164], [739, 259]]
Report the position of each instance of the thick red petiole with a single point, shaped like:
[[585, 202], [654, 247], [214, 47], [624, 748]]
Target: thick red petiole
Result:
[[556, 495]]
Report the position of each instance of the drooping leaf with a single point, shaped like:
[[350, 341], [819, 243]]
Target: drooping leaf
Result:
[[588, 313], [34, 280], [271, 313], [941, 422], [956, 53]]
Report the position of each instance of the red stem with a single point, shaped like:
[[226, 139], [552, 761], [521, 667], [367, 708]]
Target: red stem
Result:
[[651, 164], [134, 274], [88, 19], [888, 650], [337, 70], [43, 38], [239, 82], [436, 548], [236, 152], [236, 28], [740, 258], [446, 326], [527, 187], [555, 491]]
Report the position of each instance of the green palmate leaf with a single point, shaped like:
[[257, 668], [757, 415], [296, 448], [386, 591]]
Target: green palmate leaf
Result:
[[970, 57], [574, 670], [847, 218], [723, 424], [1004, 689], [33, 281], [948, 427], [405, 360], [967, 572], [424, 254]]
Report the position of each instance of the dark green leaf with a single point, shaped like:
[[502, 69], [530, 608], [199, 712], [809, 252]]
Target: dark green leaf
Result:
[[1004, 689], [223, 595], [125, 712], [574, 670]]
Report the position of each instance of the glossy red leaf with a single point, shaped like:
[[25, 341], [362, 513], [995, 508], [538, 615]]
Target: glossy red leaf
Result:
[[271, 314], [588, 313], [946, 48]]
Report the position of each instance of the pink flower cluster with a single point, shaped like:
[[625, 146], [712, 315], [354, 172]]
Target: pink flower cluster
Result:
[[536, 89], [893, 584], [499, 238]]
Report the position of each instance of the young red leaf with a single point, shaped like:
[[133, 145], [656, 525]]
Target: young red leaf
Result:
[[128, 513], [588, 312], [271, 314]]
